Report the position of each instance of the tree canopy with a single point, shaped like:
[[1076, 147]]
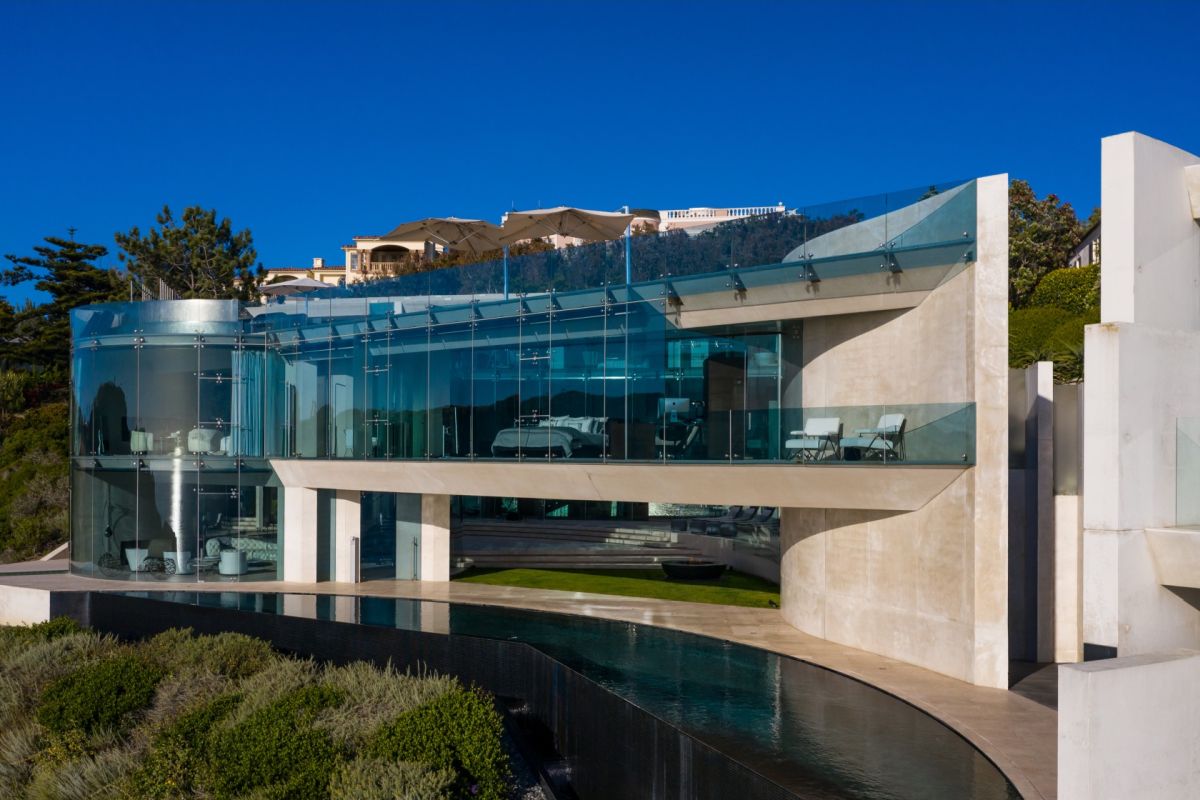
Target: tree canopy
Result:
[[39, 336], [196, 255], [1041, 236]]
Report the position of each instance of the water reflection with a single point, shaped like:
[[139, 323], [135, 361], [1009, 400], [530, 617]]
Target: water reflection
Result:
[[818, 733]]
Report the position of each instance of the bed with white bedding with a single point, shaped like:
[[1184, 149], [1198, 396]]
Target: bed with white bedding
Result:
[[563, 437]]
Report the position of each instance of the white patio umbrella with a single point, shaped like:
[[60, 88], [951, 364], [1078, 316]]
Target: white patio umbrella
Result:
[[292, 286], [473, 235]]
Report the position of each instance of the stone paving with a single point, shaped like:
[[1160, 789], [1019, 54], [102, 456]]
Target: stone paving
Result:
[[1016, 733]]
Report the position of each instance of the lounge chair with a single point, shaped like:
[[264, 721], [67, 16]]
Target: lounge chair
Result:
[[884, 441], [818, 441], [700, 524], [729, 528]]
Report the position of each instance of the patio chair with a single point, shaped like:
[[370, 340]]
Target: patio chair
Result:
[[729, 528], [818, 441], [700, 524], [884, 441]]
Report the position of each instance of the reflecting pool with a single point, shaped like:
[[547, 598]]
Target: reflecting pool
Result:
[[813, 731]]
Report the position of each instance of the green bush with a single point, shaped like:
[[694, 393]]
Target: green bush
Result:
[[33, 481], [18, 638], [27, 668], [176, 761], [233, 655], [1075, 290], [1028, 331], [101, 694], [373, 697], [376, 779], [459, 731], [276, 752]]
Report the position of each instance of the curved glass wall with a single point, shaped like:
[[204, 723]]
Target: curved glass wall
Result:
[[168, 474]]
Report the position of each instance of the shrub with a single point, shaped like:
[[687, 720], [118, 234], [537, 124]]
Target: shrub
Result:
[[276, 752], [90, 777], [1028, 331], [18, 746], [102, 694], [373, 779], [1075, 290], [459, 731], [25, 673], [281, 678], [233, 655], [16, 639], [176, 761], [373, 697]]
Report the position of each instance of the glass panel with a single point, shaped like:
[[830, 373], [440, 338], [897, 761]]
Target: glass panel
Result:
[[451, 390], [377, 421], [536, 438], [408, 537], [577, 398], [377, 552], [496, 369], [408, 382]]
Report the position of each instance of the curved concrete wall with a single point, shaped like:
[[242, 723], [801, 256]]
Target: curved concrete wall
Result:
[[927, 586]]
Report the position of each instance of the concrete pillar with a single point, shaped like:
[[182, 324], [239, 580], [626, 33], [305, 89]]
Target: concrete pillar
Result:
[[299, 534], [435, 537], [1128, 728], [988, 496], [347, 534], [1039, 469], [1068, 587]]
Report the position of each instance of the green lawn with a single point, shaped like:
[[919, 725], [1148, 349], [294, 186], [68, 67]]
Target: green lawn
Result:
[[732, 589]]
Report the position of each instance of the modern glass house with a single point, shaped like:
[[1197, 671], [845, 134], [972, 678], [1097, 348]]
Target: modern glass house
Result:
[[656, 368]]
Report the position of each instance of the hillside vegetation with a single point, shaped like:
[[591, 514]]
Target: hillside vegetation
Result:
[[222, 717]]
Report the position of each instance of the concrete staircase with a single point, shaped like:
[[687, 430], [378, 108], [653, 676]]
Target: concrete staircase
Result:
[[564, 544]]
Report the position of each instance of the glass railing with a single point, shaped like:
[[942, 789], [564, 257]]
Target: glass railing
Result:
[[1187, 471], [842, 238]]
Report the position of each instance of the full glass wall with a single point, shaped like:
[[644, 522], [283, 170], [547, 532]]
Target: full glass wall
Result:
[[168, 475]]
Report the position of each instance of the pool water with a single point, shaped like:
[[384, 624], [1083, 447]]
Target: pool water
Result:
[[813, 731]]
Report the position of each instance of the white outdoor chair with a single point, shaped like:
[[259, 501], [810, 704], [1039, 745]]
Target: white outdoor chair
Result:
[[885, 440], [818, 441]]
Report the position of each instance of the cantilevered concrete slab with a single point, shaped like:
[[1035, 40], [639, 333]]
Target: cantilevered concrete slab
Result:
[[874, 487], [1176, 553]]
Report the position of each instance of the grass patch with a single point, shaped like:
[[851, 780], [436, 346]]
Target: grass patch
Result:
[[731, 589]]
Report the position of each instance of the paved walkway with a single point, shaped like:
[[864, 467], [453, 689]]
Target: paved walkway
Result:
[[1016, 733]]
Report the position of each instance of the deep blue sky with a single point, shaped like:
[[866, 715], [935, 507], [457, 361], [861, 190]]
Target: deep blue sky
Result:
[[313, 122]]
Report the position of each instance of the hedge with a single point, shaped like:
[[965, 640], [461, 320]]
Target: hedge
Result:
[[1075, 290]]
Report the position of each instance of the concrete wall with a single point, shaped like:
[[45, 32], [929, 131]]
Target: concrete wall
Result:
[[929, 586], [1143, 373], [21, 605], [1128, 728]]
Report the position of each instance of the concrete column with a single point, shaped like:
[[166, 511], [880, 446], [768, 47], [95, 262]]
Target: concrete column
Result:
[[347, 534], [1068, 567], [989, 383], [435, 537], [1039, 469], [1128, 728], [299, 534]]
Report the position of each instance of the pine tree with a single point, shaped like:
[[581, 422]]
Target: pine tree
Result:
[[39, 335], [196, 255]]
